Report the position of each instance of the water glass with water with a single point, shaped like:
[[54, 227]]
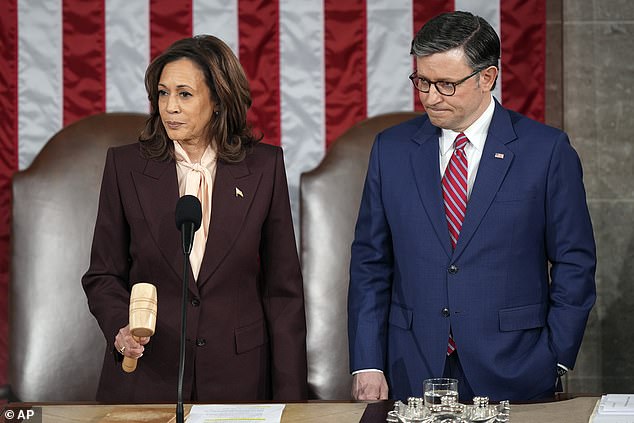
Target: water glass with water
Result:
[[436, 388]]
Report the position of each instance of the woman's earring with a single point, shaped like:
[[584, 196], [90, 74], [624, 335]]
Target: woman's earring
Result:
[[216, 112]]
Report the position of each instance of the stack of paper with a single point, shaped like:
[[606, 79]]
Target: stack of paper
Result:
[[243, 413], [614, 408]]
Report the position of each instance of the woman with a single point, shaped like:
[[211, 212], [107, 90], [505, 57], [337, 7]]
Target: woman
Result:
[[246, 327]]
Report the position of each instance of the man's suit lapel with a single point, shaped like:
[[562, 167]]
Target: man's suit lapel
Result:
[[234, 189], [426, 170], [495, 163], [157, 190]]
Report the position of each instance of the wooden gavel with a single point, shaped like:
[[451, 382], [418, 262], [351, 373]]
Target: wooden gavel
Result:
[[143, 307]]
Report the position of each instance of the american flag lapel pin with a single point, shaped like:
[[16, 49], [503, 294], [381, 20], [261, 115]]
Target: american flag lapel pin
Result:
[[239, 193], [499, 155]]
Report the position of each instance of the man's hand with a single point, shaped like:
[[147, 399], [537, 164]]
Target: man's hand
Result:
[[369, 386]]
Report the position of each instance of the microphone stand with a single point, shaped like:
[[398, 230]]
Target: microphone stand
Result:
[[181, 361]]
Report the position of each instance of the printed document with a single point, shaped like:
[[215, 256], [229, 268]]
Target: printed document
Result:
[[614, 408], [238, 413]]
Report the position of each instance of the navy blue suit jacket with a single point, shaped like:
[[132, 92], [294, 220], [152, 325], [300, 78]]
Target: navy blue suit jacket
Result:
[[522, 284]]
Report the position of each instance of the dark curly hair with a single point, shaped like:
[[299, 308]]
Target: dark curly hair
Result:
[[229, 90]]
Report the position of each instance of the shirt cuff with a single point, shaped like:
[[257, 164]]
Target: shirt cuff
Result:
[[366, 370], [561, 370]]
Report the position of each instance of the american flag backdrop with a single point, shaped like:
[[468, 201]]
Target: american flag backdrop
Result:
[[316, 67]]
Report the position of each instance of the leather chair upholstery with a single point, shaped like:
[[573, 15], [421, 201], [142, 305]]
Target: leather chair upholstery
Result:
[[56, 347], [329, 204]]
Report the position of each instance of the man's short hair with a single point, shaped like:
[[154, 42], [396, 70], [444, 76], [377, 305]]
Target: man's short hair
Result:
[[451, 30]]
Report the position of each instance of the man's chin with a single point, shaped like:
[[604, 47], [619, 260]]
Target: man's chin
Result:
[[437, 121]]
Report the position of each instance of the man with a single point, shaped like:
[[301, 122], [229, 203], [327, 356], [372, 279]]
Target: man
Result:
[[473, 256]]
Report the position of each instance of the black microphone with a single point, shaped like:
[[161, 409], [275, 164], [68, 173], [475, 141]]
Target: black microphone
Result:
[[188, 217]]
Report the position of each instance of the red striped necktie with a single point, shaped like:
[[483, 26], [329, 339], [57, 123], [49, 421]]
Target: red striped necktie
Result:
[[454, 188], [454, 192]]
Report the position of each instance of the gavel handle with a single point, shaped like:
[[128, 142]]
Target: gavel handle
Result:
[[129, 363]]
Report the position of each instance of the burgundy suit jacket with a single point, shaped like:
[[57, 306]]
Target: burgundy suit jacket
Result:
[[246, 327]]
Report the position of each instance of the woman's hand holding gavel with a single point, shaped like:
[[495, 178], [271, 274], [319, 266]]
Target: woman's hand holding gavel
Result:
[[131, 338]]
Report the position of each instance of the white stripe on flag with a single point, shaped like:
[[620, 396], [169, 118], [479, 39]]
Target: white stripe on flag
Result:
[[218, 18], [127, 55], [302, 91], [490, 11], [40, 77], [389, 35]]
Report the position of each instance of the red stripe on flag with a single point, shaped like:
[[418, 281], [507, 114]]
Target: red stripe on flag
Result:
[[422, 12], [8, 159], [83, 55], [523, 34], [345, 56], [258, 32], [169, 21]]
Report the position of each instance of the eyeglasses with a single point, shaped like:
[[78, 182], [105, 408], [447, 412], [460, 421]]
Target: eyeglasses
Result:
[[443, 87]]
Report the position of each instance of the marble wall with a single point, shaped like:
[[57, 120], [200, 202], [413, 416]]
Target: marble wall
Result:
[[590, 79]]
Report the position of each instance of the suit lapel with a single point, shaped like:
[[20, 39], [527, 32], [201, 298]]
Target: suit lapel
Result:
[[228, 211], [494, 165], [427, 176], [157, 190]]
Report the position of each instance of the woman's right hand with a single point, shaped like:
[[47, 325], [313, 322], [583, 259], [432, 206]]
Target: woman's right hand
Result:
[[129, 345]]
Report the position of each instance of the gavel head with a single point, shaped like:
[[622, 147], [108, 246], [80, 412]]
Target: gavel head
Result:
[[143, 307]]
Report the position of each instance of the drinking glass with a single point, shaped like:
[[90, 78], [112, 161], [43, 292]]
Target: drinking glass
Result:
[[436, 388]]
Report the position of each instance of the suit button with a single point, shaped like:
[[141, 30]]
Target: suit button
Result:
[[453, 269], [195, 302], [445, 312], [201, 342]]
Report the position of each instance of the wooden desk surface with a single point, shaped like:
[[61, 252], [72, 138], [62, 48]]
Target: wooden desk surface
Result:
[[576, 410], [293, 413]]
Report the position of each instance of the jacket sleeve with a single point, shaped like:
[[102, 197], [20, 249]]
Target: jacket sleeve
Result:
[[106, 281], [571, 251], [283, 294], [371, 271]]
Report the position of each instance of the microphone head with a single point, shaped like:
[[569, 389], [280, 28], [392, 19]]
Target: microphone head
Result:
[[188, 210]]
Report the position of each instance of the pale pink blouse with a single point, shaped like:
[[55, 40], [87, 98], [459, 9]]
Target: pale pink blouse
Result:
[[197, 179]]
